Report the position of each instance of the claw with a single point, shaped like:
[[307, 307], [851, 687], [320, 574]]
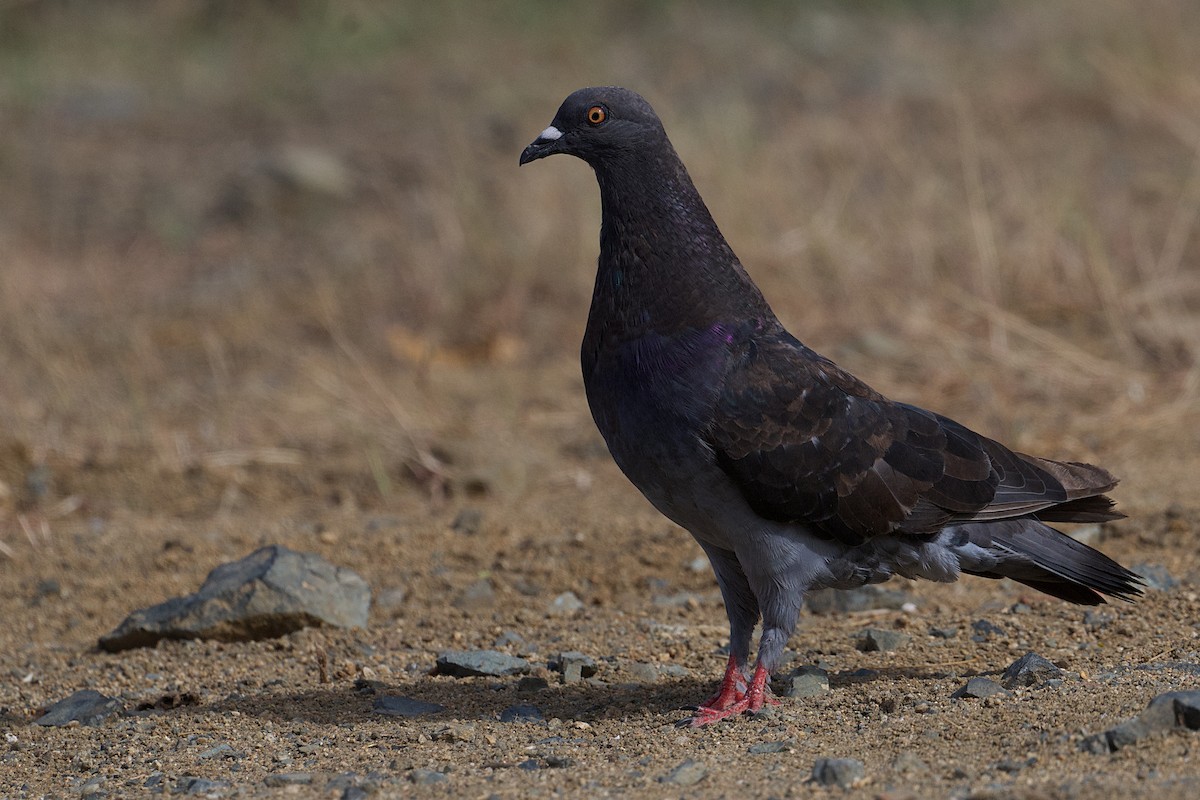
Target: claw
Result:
[[735, 697]]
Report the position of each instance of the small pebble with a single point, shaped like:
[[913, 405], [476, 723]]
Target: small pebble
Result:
[[522, 713], [807, 681], [984, 630], [763, 748], [426, 776], [1029, 670], [397, 706], [879, 640], [979, 688], [687, 773], [469, 663], [841, 772], [565, 604]]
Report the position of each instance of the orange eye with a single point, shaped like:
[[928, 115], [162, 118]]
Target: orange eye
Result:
[[596, 115]]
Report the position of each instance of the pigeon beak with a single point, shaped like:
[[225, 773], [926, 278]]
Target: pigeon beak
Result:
[[545, 144]]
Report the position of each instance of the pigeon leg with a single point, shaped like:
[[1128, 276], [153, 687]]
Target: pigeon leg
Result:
[[741, 606], [731, 691]]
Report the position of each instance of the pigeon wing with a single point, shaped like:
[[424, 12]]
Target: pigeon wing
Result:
[[805, 441]]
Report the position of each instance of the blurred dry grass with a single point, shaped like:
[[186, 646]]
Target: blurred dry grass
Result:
[[294, 232]]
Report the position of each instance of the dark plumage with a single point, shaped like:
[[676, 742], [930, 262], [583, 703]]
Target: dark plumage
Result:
[[791, 473]]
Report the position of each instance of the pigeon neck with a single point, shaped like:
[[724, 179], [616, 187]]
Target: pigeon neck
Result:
[[664, 264]]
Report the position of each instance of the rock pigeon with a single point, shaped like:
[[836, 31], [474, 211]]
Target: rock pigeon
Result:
[[791, 473]]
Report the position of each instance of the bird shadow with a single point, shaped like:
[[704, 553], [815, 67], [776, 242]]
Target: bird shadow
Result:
[[488, 698], [470, 699]]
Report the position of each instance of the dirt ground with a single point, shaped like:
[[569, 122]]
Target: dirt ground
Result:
[[263, 283]]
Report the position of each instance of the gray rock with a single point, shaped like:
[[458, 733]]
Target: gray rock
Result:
[[509, 639], [841, 772], [687, 773], [222, 750], [190, 784], [879, 640], [471, 663], [426, 776], [522, 712], [467, 521], [984, 631], [288, 779], [397, 706], [807, 681], [1166, 712], [943, 633], [909, 763], [1155, 576], [565, 604], [1029, 670], [643, 672], [979, 688], [86, 706], [271, 592], [864, 598], [479, 596], [574, 666], [764, 748]]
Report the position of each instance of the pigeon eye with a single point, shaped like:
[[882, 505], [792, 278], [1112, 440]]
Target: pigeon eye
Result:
[[596, 115]]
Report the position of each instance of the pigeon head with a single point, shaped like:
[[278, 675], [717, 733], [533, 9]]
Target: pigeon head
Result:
[[598, 124]]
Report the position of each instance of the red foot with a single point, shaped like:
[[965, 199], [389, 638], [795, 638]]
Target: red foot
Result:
[[735, 697]]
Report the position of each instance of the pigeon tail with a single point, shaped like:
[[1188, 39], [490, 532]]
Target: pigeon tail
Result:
[[1031, 552]]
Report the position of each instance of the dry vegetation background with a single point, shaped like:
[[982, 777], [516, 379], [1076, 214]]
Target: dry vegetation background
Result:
[[269, 263]]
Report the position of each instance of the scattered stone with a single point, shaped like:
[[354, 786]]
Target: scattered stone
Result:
[[699, 564], [643, 672], [289, 779], [574, 666], [509, 639], [687, 773], [87, 706], [1019, 608], [223, 750], [979, 688], [909, 763], [1155, 576], [532, 683], [391, 598], [764, 748], [677, 600], [426, 776], [522, 713], [455, 732], [472, 663], [1166, 712], [467, 522], [807, 681], [398, 706], [984, 630], [943, 633], [880, 640], [529, 764], [559, 762], [841, 772], [271, 592], [479, 596], [864, 598], [566, 603], [1029, 670], [190, 784]]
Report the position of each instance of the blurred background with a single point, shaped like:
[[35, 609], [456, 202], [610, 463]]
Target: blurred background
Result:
[[261, 253]]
